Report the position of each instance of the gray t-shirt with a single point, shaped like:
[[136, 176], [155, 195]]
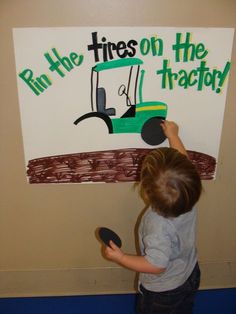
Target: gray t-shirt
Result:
[[168, 243]]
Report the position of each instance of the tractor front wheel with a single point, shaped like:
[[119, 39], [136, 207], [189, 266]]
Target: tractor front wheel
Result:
[[152, 132]]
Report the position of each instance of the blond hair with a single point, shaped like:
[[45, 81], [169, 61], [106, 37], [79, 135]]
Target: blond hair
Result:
[[169, 182]]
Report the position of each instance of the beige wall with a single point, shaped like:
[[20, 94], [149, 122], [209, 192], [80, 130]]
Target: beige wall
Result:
[[47, 242]]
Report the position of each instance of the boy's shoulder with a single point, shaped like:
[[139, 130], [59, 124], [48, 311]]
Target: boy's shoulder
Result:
[[151, 214], [152, 220]]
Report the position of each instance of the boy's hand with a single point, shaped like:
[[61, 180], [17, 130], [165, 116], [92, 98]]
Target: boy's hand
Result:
[[170, 128], [113, 252]]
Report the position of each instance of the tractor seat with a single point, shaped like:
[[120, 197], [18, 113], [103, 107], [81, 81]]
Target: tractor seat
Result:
[[109, 111], [101, 103]]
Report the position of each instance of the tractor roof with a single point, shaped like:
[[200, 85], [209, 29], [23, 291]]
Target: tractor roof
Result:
[[117, 64]]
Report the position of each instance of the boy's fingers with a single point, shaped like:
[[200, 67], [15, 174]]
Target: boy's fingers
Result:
[[163, 125], [113, 245]]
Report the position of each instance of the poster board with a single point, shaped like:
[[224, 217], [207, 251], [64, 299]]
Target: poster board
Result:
[[85, 94]]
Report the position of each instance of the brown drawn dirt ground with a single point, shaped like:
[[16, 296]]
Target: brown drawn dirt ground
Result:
[[122, 165]]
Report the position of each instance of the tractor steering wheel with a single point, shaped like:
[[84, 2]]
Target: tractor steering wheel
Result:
[[122, 90]]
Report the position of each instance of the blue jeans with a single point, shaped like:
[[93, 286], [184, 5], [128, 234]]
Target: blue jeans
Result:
[[177, 301]]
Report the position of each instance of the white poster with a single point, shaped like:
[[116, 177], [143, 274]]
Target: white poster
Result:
[[91, 98]]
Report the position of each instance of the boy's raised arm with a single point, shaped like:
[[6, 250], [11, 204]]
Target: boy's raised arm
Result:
[[171, 131]]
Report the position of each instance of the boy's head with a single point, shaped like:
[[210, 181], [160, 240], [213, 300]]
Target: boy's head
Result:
[[169, 182]]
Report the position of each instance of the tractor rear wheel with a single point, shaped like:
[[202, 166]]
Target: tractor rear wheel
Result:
[[152, 132]]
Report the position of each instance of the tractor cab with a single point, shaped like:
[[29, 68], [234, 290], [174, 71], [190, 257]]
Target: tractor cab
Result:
[[118, 88], [116, 97]]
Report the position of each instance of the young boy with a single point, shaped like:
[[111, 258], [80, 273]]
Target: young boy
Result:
[[169, 273]]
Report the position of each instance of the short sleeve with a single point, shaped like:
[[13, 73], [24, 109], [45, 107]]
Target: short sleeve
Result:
[[157, 242]]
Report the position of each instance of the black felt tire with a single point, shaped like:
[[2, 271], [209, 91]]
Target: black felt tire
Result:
[[152, 132]]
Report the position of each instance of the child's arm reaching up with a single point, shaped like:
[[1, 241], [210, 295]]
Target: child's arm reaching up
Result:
[[171, 131]]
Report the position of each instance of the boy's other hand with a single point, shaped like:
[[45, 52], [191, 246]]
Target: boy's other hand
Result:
[[113, 252]]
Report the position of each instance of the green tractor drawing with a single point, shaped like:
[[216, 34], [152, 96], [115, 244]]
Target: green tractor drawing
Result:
[[141, 117]]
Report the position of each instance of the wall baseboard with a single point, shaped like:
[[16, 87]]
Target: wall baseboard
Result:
[[92, 281]]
